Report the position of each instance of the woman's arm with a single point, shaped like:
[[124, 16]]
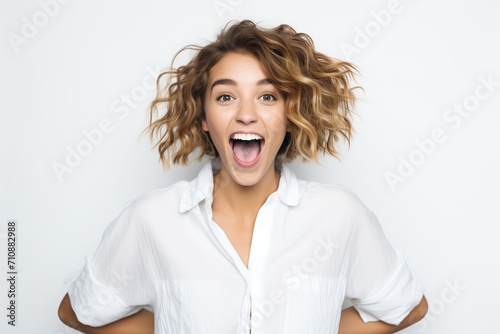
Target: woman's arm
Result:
[[351, 323], [139, 323]]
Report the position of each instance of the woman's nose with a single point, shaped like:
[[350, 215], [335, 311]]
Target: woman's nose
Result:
[[246, 113]]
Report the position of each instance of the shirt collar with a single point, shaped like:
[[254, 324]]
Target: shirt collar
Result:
[[201, 187]]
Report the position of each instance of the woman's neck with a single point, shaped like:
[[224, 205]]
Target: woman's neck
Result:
[[242, 202]]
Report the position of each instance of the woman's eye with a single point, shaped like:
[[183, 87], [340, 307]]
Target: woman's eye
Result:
[[224, 98], [268, 97]]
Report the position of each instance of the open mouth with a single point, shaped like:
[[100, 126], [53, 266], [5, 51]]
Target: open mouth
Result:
[[246, 147]]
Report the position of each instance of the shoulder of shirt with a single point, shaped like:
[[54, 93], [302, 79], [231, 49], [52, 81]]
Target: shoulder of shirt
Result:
[[163, 200], [339, 203], [330, 191], [331, 198]]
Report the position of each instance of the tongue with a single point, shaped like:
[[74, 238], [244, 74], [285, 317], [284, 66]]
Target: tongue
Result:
[[246, 150]]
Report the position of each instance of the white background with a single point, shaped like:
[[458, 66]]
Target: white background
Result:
[[76, 67]]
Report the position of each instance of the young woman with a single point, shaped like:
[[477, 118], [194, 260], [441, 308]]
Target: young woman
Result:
[[246, 247]]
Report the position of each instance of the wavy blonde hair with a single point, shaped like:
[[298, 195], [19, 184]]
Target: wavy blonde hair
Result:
[[319, 99]]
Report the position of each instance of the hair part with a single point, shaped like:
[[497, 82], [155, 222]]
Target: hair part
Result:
[[319, 100]]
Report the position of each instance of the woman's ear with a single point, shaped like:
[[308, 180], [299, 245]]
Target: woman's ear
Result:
[[204, 125]]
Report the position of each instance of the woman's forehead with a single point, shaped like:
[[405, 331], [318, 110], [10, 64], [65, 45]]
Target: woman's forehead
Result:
[[237, 68]]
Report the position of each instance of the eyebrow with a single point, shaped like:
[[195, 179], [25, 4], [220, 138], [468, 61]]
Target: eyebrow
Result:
[[231, 82]]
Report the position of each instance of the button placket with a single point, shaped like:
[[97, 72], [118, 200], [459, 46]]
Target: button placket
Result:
[[259, 253], [233, 255]]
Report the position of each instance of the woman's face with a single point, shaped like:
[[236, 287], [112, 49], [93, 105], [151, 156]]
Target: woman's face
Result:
[[245, 116]]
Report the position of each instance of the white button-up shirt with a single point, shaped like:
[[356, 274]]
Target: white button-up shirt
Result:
[[313, 245]]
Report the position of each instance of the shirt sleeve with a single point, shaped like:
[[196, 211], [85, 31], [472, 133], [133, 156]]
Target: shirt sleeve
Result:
[[112, 283], [380, 284]]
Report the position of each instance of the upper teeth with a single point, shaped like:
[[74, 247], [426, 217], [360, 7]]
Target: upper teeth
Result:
[[246, 136]]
